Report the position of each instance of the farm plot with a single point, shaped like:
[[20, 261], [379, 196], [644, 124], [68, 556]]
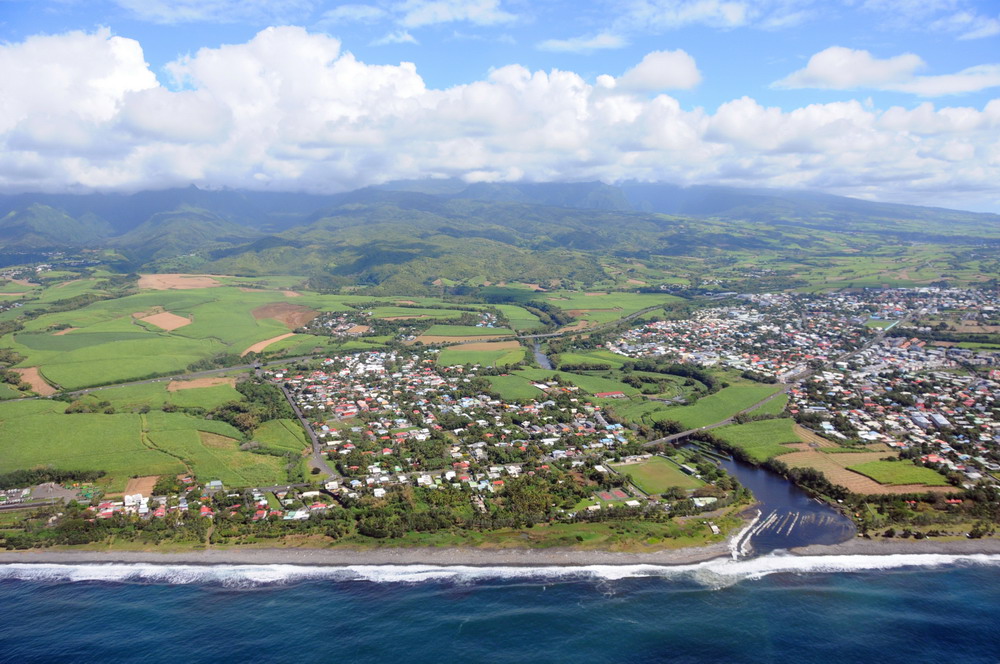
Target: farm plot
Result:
[[835, 468], [657, 474], [899, 472], [761, 440], [282, 434], [514, 388], [501, 353], [719, 406]]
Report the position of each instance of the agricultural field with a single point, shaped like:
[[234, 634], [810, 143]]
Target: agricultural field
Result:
[[761, 440], [899, 472], [514, 387], [497, 354], [520, 319], [716, 407], [775, 406], [467, 331], [596, 357], [658, 474], [286, 435], [586, 382], [838, 469]]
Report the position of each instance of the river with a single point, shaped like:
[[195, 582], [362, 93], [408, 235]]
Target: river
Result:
[[540, 357], [789, 517]]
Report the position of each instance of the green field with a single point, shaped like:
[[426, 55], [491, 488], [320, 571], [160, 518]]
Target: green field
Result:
[[467, 331], [596, 357], [775, 406], [716, 407], [899, 472], [487, 358], [657, 475], [390, 311], [282, 434], [520, 319], [514, 387], [588, 383], [761, 440]]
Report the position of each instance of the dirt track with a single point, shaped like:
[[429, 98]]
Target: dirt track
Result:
[[292, 315], [176, 385], [261, 345], [177, 281]]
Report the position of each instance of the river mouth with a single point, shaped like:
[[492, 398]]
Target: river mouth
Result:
[[788, 518]]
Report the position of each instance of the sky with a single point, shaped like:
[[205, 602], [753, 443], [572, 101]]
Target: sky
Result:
[[889, 100]]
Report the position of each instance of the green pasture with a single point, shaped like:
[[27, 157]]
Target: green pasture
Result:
[[761, 440], [719, 406], [656, 475], [489, 358], [775, 406], [467, 331], [390, 311], [596, 357], [899, 472], [520, 319], [514, 388], [282, 434]]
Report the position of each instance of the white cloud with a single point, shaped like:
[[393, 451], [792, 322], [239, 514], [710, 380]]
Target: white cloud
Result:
[[969, 25], [353, 14], [192, 11], [288, 110], [583, 44], [396, 37], [417, 13], [661, 70], [839, 68], [669, 14]]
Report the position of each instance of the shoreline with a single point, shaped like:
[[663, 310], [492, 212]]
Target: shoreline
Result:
[[483, 557]]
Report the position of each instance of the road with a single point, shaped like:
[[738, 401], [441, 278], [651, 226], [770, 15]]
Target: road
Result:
[[316, 456]]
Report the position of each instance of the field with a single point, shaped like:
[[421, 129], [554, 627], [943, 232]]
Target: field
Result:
[[597, 357], [899, 472], [514, 387], [835, 468], [656, 475], [588, 383], [467, 331], [775, 406], [502, 353], [761, 440], [719, 406], [282, 434]]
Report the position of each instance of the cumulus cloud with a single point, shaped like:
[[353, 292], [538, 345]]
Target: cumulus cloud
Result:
[[661, 70], [583, 44], [290, 110], [839, 68]]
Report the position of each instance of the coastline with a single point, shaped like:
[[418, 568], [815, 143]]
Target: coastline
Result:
[[450, 557]]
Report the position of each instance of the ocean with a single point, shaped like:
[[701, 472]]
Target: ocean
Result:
[[773, 608]]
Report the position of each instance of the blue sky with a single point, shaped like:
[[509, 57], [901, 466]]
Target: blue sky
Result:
[[883, 99]]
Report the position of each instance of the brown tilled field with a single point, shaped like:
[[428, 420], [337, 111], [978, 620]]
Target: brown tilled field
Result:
[[833, 466], [167, 321], [177, 281], [496, 345], [32, 376], [176, 385], [292, 315], [261, 345], [359, 329], [141, 485], [440, 339]]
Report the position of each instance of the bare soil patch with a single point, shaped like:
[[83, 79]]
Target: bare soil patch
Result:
[[261, 345], [141, 485], [496, 345], [405, 302], [292, 315], [583, 312], [594, 294], [167, 321], [579, 325], [64, 331], [636, 282], [12, 294], [291, 293], [177, 281], [441, 339], [359, 329], [177, 385], [215, 441], [976, 328], [833, 466], [32, 376], [812, 437]]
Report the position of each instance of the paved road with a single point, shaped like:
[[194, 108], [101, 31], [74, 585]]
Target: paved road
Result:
[[316, 456]]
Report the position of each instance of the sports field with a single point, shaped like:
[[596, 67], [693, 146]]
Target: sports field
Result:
[[657, 474]]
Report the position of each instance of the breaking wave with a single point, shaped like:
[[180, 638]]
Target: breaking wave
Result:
[[717, 573]]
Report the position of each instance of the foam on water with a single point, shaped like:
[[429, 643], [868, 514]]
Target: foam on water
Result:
[[713, 574]]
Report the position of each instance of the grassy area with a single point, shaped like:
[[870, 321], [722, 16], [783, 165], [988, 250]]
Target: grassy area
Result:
[[589, 383], [520, 318], [657, 475], [466, 331], [282, 434], [597, 357], [489, 358], [775, 406], [899, 472], [715, 407], [514, 387], [761, 440]]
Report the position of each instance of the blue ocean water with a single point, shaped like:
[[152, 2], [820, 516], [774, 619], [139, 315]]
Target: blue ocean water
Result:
[[909, 608]]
